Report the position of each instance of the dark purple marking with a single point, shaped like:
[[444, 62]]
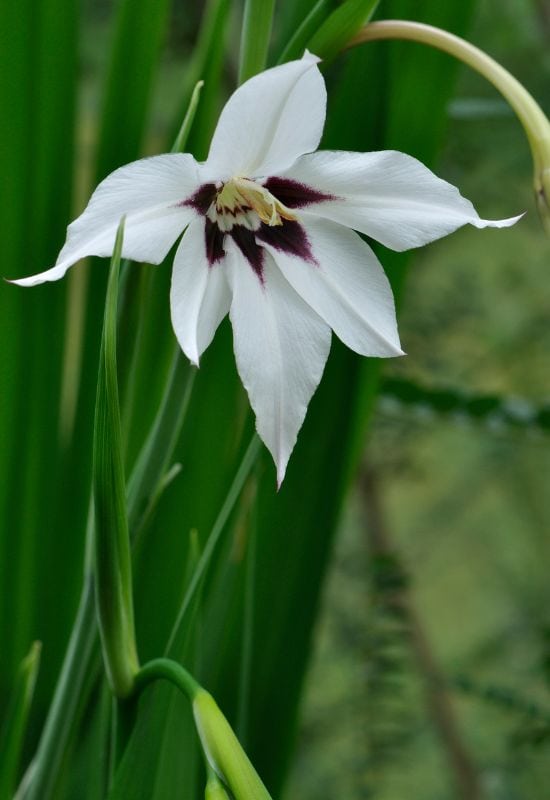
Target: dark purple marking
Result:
[[294, 194], [202, 199], [289, 238], [213, 240], [245, 240]]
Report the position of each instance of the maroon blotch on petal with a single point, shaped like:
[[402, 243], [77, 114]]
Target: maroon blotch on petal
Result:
[[246, 242], [213, 240], [294, 194], [290, 237], [202, 199]]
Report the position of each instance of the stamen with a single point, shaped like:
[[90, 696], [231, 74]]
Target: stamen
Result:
[[240, 196]]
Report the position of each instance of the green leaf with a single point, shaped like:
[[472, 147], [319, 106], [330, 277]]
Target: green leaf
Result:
[[207, 63], [112, 562], [255, 35], [15, 722], [302, 35], [337, 30], [140, 27], [37, 77], [187, 124]]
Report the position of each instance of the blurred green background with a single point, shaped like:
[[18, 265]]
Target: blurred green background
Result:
[[430, 668], [464, 506]]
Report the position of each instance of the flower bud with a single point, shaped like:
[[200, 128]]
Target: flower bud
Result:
[[224, 752]]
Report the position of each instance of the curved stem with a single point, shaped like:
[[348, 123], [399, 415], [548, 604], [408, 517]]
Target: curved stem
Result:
[[166, 669], [532, 117]]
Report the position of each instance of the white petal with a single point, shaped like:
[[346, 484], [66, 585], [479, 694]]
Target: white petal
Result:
[[281, 347], [199, 295], [269, 121], [347, 287], [147, 192], [387, 195]]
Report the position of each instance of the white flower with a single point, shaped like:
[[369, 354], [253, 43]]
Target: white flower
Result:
[[268, 238]]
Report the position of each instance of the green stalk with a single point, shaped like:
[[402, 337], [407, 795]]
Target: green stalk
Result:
[[255, 35]]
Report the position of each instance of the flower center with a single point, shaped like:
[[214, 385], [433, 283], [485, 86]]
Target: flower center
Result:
[[242, 201]]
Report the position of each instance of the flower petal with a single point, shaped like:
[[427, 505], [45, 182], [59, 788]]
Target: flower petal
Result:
[[345, 285], [199, 295], [387, 195], [269, 121], [281, 347], [148, 192]]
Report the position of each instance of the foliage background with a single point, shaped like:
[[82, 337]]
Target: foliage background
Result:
[[429, 674]]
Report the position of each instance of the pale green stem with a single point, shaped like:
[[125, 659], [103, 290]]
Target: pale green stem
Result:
[[532, 117]]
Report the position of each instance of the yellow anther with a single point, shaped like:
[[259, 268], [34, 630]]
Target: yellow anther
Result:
[[243, 194]]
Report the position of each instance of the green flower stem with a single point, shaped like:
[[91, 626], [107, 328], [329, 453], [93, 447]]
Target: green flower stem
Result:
[[533, 119], [168, 670], [256, 31]]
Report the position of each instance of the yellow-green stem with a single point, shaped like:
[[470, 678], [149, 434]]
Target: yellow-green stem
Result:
[[530, 114]]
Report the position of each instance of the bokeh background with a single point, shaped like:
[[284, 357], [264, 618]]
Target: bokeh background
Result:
[[436, 610]]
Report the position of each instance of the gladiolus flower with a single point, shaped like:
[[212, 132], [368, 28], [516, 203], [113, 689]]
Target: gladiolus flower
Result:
[[269, 237]]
